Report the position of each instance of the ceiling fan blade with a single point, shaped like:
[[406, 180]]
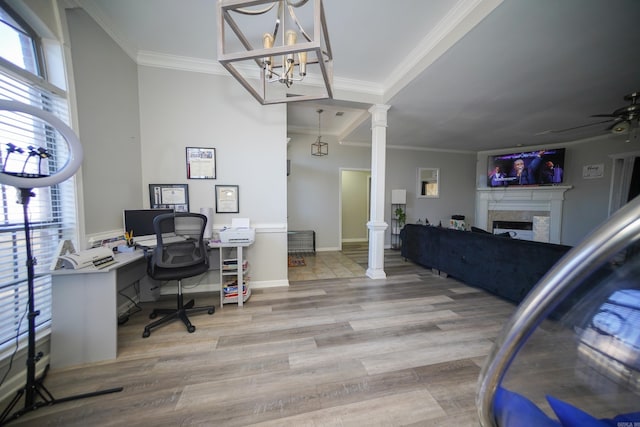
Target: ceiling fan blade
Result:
[[604, 115], [573, 128]]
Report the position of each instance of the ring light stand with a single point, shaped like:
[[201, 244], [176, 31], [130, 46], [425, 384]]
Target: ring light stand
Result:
[[25, 184]]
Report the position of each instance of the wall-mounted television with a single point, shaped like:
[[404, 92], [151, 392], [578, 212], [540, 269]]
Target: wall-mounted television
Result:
[[539, 167]]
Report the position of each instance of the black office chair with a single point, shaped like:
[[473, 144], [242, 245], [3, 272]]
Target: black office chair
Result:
[[177, 261]]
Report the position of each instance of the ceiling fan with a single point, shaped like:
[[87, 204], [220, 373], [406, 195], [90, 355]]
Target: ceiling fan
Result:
[[625, 119]]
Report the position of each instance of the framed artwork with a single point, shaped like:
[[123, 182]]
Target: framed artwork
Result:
[[227, 199], [169, 196], [201, 163]]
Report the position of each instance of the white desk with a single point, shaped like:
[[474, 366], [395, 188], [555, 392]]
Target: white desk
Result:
[[84, 310]]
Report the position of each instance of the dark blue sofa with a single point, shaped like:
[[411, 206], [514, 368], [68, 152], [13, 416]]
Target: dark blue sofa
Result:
[[506, 267]]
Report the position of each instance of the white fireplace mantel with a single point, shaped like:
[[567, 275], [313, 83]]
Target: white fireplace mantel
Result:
[[547, 199]]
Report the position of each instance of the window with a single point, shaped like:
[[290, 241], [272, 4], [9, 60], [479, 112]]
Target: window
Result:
[[19, 43], [51, 210]]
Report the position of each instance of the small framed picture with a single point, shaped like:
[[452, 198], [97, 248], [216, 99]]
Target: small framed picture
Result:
[[593, 171], [172, 196], [227, 199], [201, 163]]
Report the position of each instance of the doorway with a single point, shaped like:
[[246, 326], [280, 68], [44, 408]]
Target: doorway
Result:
[[355, 203]]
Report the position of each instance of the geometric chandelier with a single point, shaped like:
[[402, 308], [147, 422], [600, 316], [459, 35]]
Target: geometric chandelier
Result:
[[270, 47], [319, 148]]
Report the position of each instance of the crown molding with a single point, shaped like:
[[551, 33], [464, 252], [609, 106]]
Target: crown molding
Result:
[[212, 66], [359, 86], [407, 148], [184, 63]]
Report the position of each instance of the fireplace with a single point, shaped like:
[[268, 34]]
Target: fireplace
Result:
[[541, 206], [516, 229]]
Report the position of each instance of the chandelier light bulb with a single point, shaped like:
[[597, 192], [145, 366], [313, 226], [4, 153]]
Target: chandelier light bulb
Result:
[[291, 37], [267, 61], [302, 58]]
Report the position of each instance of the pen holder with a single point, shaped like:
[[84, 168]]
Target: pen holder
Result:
[[125, 248]]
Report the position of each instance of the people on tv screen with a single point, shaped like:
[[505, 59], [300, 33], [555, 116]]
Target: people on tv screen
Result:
[[540, 167]]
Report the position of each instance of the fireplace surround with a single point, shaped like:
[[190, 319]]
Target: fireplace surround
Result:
[[541, 205]]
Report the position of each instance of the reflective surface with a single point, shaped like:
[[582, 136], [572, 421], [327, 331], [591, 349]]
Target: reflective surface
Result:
[[571, 351], [428, 182]]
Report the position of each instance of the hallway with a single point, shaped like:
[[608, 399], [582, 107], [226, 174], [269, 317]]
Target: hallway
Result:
[[350, 262]]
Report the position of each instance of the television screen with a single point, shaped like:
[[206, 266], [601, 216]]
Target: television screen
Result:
[[540, 167]]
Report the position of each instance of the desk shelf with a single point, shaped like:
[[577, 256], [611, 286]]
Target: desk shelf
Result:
[[230, 275], [230, 292]]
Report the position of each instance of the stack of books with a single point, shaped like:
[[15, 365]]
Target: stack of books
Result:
[[232, 264], [232, 291]]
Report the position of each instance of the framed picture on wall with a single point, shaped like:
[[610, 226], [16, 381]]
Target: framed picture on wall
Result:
[[169, 196], [227, 199], [201, 163]]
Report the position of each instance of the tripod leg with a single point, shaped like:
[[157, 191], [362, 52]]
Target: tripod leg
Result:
[[34, 386], [47, 399], [85, 395], [11, 405]]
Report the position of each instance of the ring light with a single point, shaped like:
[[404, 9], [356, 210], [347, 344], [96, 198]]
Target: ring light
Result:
[[75, 149]]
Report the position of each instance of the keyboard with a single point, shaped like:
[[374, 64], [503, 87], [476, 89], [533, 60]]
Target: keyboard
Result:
[[151, 243]]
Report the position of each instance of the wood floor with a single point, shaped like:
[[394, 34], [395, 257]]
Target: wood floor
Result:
[[404, 351]]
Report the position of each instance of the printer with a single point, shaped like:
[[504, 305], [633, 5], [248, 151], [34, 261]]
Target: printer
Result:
[[99, 258], [239, 232]]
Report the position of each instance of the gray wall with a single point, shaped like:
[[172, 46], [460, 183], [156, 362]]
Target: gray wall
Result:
[[314, 189], [457, 178], [313, 195], [106, 82], [587, 203]]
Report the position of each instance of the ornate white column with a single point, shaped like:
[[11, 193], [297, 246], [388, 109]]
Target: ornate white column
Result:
[[376, 224]]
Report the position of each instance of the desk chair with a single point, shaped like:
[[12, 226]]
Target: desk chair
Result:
[[177, 261]]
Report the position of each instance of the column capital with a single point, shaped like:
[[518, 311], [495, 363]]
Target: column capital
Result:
[[379, 115], [377, 225]]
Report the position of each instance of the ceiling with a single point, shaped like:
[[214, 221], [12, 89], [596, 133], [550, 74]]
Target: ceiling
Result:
[[466, 75]]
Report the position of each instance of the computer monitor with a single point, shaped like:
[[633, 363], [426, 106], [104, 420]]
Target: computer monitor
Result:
[[141, 222]]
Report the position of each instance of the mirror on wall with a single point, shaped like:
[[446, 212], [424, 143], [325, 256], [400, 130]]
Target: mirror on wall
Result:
[[428, 182]]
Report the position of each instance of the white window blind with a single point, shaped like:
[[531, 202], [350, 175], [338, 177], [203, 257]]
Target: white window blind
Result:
[[51, 210]]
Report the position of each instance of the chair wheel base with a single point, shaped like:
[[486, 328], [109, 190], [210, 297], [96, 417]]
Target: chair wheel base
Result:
[[180, 314]]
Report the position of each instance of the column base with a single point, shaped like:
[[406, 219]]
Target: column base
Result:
[[376, 274]]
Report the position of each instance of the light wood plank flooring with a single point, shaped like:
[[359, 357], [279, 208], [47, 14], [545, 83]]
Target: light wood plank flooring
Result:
[[406, 351], [352, 261], [402, 351]]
